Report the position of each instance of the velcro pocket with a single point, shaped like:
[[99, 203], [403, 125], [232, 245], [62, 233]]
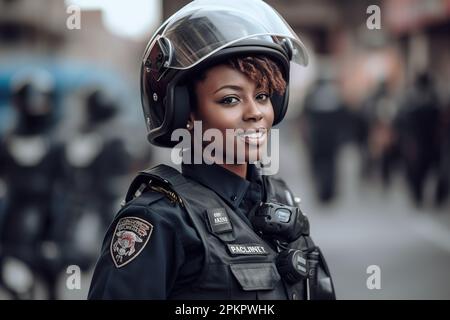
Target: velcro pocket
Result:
[[256, 276]]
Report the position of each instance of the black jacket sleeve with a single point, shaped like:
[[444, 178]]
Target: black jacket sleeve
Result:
[[150, 270]]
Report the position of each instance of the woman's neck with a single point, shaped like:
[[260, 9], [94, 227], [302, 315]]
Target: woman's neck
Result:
[[239, 169]]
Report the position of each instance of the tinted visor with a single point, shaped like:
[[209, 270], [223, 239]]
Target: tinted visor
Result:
[[204, 27]]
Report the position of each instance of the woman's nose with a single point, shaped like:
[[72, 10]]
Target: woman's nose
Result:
[[253, 111]]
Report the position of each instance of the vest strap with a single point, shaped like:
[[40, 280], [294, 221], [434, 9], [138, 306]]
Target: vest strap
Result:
[[161, 178]]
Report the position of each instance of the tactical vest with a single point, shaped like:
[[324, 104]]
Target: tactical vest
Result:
[[238, 263]]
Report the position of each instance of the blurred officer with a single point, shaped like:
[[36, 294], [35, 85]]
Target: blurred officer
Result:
[[325, 120], [94, 161], [379, 147], [30, 160], [443, 187], [418, 126], [214, 231]]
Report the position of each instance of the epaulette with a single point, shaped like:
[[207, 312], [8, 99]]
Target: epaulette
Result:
[[151, 180], [170, 194]]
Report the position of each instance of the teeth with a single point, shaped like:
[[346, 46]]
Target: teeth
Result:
[[252, 135], [255, 135]]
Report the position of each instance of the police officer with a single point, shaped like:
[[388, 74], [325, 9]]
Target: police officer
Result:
[[418, 126], [30, 162], [220, 230], [94, 159], [325, 116]]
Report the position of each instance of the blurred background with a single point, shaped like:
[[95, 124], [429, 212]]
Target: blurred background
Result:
[[365, 144]]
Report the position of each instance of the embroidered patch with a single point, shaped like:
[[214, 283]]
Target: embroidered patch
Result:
[[130, 237]]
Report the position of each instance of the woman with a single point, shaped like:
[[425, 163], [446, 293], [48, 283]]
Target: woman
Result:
[[221, 229]]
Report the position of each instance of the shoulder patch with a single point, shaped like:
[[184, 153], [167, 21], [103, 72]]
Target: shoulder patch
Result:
[[129, 239]]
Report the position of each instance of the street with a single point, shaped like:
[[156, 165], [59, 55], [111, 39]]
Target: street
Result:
[[368, 226]]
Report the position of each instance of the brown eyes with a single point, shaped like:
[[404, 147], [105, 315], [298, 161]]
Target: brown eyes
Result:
[[262, 97], [229, 100], [232, 100]]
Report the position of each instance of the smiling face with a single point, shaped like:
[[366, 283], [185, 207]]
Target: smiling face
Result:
[[228, 99]]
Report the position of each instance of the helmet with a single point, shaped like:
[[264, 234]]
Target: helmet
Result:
[[33, 94], [100, 106], [202, 34]]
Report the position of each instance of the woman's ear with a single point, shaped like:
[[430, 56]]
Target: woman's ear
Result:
[[192, 116], [190, 122]]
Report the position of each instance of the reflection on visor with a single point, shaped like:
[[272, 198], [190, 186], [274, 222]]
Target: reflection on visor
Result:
[[202, 28]]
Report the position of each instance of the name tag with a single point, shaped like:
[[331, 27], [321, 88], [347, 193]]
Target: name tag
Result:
[[247, 249], [219, 220]]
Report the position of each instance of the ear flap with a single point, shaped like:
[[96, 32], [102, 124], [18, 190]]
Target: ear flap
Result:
[[280, 105], [178, 115], [181, 101]]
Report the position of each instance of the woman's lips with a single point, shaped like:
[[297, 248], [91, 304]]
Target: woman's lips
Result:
[[253, 136]]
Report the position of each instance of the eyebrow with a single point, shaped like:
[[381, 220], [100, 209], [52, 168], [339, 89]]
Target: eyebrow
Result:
[[230, 86]]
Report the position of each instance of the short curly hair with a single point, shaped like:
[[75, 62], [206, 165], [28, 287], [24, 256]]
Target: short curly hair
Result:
[[264, 71], [261, 69]]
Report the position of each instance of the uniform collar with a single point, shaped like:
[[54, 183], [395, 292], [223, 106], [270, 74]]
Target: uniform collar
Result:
[[228, 185]]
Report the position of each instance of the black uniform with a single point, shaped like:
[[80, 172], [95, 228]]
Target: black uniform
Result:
[[326, 122], [418, 126], [190, 237], [30, 167]]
